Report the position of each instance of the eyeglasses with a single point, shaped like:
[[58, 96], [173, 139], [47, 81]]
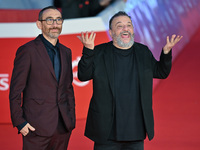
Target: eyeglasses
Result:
[[50, 21]]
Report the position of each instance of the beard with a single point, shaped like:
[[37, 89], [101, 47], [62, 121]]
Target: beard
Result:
[[54, 35], [121, 43]]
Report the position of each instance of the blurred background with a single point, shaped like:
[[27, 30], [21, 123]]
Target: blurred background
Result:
[[176, 100]]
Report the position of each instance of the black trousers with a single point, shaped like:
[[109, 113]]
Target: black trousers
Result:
[[114, 145]]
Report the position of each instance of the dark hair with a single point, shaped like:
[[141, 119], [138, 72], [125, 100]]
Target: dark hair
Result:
[[120, 13], [41, 11]]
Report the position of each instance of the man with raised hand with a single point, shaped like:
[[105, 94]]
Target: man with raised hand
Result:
[[120, 113]]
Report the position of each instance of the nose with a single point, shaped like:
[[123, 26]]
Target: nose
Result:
[[125, 27], [54, 22]]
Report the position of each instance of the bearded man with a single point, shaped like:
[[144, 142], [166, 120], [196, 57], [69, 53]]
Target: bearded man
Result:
[[120, 113], [41, 94]]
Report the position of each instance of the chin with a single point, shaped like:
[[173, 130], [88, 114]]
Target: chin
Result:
[[54, 36], [126, 40]]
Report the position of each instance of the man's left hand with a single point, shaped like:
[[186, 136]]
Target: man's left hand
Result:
[[171, 43]]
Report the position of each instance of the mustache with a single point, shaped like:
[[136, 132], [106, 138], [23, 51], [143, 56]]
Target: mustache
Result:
[[125, 32], [133, 35], [54, 28]]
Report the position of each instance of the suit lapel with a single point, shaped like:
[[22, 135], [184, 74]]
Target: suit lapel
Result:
[[139, 62], [44, 55], [140, 66], [62, 63]]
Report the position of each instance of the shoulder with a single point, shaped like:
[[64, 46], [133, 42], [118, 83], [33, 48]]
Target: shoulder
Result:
[[27, 47], [140, 45], [141, 48], [32, 43], [103, 47]]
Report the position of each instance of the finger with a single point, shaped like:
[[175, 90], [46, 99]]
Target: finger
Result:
[[31, 127], [167, 39], [178, 38], [80, 38], [22, 132], [172, 38], [86, 36], [91, 35], [25, 134]]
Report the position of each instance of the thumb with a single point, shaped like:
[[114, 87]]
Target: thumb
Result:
[[31, 128], [79, 37]]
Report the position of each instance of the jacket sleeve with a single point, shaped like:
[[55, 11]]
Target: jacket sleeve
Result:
[[162, 67], [18, 83], [85, 66]]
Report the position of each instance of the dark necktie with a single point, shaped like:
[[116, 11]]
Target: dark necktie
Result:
[[56, 64]]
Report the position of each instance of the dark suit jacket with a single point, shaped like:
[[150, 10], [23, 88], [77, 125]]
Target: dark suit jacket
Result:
[[98, 65], [35, 95]]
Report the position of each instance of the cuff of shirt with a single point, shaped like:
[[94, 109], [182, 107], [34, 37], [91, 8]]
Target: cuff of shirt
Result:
[[19, 127]]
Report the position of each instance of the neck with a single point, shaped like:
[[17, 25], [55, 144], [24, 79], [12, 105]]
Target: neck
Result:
[[116, 45], [53, 41]]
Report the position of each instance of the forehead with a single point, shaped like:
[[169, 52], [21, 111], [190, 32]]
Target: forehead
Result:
[[121, 19], [51, 13]]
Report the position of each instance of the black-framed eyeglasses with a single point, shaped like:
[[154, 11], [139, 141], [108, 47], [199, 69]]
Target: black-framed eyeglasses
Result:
[[50, 21]]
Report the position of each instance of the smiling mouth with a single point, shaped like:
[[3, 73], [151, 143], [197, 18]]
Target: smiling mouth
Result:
[[54, 30], [125, 35]]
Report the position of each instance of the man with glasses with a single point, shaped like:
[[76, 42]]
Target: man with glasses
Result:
[[41, 94]]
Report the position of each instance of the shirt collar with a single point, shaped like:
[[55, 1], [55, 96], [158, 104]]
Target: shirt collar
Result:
[[48, 44]]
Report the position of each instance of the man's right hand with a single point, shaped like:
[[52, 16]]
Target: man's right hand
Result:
[[88, 41], [25, 130]]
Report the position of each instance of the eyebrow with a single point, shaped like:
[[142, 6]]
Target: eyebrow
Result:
[[121, 22], [56, 17]]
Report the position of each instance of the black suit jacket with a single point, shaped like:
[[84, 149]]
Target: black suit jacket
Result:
[[97, 64], [35, 95]]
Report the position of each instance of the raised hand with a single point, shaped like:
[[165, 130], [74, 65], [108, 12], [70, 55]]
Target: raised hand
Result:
[[87, 40], [171, 43]]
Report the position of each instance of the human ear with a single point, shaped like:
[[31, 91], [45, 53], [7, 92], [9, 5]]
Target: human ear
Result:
[[39, 24], [110, 32]]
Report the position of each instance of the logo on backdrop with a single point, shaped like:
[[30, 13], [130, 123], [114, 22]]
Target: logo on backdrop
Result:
[[74, 68], [4, 85]]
